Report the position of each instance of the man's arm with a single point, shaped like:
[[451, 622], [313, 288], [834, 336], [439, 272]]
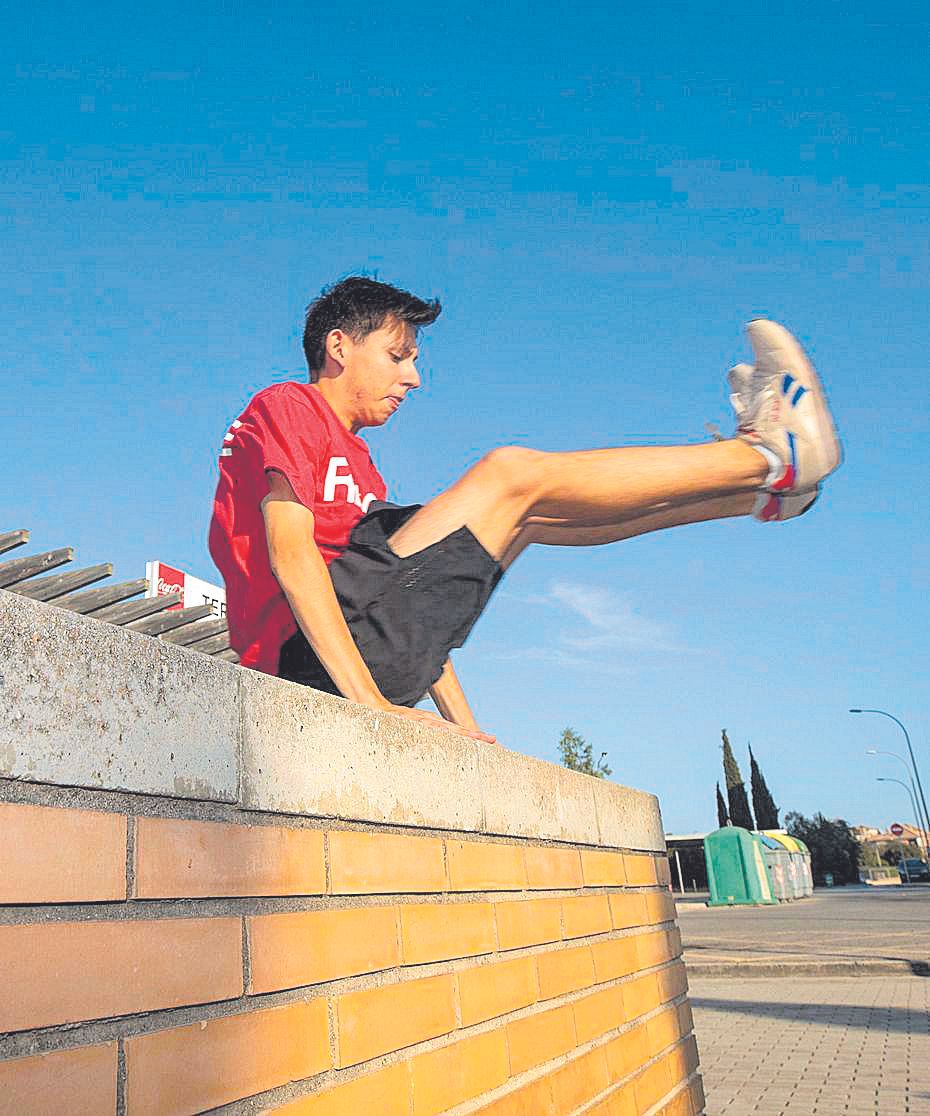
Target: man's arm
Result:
[[451, 702], [302, 574]]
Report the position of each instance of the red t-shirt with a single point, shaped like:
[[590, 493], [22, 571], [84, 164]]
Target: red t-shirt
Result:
[[290, 428]]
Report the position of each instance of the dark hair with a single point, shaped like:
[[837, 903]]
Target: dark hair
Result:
[[359, 306]]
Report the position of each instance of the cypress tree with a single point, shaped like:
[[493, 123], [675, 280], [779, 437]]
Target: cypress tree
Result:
[[762, 802], [740, 814], [722, 818]]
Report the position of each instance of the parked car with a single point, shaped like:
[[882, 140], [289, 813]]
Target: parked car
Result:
[[913, 870]]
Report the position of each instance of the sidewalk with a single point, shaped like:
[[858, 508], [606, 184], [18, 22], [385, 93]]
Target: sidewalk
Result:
[[855, 931], [823, 1047]]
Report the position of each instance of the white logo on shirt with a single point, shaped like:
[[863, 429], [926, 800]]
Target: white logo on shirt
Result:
[[335, 479]]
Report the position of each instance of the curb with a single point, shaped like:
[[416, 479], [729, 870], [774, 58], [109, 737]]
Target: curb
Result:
[[813, 969]]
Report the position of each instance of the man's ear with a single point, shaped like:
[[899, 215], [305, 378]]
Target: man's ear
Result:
[[337, 345]]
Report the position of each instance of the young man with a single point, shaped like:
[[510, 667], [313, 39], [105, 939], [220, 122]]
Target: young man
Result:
[[330, 586]]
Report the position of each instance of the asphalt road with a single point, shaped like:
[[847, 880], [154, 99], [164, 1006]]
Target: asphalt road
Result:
[[865, 928]]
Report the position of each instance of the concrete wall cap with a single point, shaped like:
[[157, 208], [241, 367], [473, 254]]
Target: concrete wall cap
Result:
[[84, 703]]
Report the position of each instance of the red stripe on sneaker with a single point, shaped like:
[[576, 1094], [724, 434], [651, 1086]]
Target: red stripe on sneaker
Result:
[[786, 481], [771, 510]]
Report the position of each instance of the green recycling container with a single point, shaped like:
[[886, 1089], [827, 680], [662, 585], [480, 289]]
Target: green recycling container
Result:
[[736, 871]]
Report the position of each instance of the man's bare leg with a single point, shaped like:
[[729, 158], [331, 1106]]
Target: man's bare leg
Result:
[[554, 533], [510, 488]]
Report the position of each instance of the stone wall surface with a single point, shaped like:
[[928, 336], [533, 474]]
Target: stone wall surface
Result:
[[220, 890]]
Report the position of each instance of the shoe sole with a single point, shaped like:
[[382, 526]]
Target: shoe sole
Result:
[[774, 342]]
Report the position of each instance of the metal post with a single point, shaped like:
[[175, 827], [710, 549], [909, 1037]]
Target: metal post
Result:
[[681, 882], [923, 824], [881, 779]]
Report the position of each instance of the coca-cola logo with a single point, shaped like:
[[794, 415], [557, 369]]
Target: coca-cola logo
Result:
[[165, 588]]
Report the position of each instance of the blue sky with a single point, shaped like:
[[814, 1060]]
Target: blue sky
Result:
[[601, 200]]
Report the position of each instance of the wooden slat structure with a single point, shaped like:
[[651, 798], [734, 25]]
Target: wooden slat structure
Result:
[[160, 617]]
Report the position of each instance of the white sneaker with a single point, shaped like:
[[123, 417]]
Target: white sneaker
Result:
[[782, 410], [775, 507]]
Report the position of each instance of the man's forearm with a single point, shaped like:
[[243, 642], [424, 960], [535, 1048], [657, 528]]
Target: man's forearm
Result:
[[450, 698], [309, 591]]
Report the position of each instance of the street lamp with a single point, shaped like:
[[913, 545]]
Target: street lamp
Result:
[[921, 820], [925, 823], [880, 779]]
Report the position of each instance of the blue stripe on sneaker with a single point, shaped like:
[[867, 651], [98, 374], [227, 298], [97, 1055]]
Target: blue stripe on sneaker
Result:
[[787, 381], [795, 399], [791, 449]]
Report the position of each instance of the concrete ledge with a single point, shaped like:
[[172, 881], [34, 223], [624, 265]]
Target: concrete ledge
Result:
[[87, 704]]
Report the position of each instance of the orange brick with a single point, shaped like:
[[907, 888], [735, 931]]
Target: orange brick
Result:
[[386, 1092], [585, 914], [564, 970], [663, 871], [602, 868], [526, 922], [652, 949], [683, 1059], [438, 931], [480, 866], [615, 958], [685, 1018], [674, 942], [640, 996], [662, 1030], [534, 1099], [627, 1052], [53, 855], [307, 947], [487, 991], [621, 1102], [673, 981], [579, 1081], [80, 1082], [376, 863], [539, 1037], [552, 868], [217, 1061], [176, 858], [698, 1102], [446, 1077], [628, 910], [660, 907], [640, 869], [70, 971], [598, 1013], [679, 1105], [652, 1084], [375, 1021]]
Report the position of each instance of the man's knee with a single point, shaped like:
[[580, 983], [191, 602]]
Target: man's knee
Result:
[[515, 469]]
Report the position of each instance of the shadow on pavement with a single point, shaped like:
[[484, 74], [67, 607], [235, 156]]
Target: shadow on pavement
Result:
[[897, 1020]]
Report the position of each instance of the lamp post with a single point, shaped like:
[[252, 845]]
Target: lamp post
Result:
[[910, 752], [922, 821], [901, 783]]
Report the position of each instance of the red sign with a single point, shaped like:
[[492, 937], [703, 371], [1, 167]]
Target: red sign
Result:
[[897, 829]]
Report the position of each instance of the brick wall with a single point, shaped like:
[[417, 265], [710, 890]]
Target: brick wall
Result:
[[347, 948]]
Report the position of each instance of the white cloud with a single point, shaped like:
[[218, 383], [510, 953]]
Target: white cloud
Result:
[[610, 620]]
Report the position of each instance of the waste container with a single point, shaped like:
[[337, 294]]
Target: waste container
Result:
[[736, 871], [800, 879], [778, 862]]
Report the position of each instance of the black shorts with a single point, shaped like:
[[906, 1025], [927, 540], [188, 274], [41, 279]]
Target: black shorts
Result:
[[405, 614]]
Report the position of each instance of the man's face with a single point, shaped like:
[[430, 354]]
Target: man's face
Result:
[[379, 371]]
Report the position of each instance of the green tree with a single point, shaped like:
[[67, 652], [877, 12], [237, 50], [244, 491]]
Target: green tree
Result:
[[576, 754], [832, 843], [739, 811], [763, 805], [722, 817]]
